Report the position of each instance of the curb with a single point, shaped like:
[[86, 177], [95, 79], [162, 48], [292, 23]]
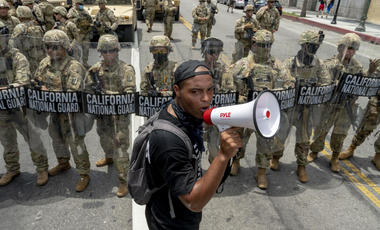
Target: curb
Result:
[[364, 37]]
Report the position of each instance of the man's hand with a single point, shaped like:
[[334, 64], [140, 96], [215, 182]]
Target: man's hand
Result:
[[230, 141], [266, 7], [274, 30], [202, 19], [44, 88], [248, 26], [373, 65]]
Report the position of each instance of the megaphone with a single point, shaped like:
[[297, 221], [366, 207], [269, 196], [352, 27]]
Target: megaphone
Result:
[[262, 115]]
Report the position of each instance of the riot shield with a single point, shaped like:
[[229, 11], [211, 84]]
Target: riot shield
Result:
[[15, 81], [109, 97]]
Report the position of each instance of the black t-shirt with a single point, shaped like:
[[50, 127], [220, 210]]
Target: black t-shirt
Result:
[[170, 164], [322, 2]]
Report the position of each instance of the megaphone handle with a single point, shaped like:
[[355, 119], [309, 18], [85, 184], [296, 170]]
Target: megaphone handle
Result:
[[223, 128]]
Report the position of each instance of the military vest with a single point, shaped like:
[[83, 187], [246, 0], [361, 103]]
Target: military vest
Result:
[[150, 3], [262, 74], [202, 13], [163, 76], [307, 74], [11, 23], [6, 69], [32, 37]]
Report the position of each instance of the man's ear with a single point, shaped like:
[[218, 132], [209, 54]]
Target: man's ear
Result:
[[176, 90]]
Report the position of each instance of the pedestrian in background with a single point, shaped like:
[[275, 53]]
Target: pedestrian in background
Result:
[[321, 7], [231, 5], [330, 5]]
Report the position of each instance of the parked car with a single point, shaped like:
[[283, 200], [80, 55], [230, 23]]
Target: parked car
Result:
[[260, 3]]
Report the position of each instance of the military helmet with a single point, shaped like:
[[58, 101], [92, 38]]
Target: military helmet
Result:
[[79, 1], [101, 2], [27, 2], [271, 0], [4, 4], [60, 10], [57, 37], [24, 12], [160, 41], [108, 42], [212, 43], [249, 7], [350, 39], [263, 36], [311, 36], [3, 28]]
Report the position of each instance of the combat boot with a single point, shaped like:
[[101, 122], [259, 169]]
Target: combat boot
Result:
[[103, 162], [59, 168], [86, 65], [348, 153], [235, 167], [261, 178], [274, 163], [82, 183], [42, 178], [192, 46], [8, 177], [170, 37], [312, 156], [335, 166], [376, 161], [123, 190], [302, 175]]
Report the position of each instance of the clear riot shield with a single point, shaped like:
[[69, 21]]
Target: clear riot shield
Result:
[[76, 50], [343, 114], [15, 81], [56, 93], [109, 97]]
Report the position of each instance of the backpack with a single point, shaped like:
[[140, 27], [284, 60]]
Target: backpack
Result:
[[139, 179]]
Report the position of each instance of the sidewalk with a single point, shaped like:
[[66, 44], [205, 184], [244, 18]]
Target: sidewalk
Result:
[[343, 25]]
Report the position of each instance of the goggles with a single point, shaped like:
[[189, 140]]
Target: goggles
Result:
[[212, 52], [264, 45], [161, 51], [108, 51], [52, 47]]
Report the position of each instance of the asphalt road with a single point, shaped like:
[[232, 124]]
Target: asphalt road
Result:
[[346, 200]]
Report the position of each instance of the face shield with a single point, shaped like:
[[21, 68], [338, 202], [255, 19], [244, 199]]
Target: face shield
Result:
[[160, 55], [262, 51]]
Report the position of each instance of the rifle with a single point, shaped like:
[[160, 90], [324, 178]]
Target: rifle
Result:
[[40, 23], [250, 32], [153, 90], [349, 112], [98, 89]]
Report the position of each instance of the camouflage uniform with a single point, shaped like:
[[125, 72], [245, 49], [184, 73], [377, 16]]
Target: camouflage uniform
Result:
[[27, 37], [47, 10], [150, 11], [118, 78], [265, 71], [14, 69], [67, 75], [223, 82], [70, 29], [244, 39], [163, 73], [10, 21], [107, 19], [337, 114], [169, 18], [315, 72], [83, 21], [213, 10], [197, 13], [36, 11], [268, 19]]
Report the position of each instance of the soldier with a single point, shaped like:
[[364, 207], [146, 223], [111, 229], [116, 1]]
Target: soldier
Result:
[[27, 37], [60, 14], [60, 72], [368, 124], [343, 62], [105, 20], [47, 10], [264, 71], [6, 17], [213, 10], [170, 10], [12, 8], [83, 21], [150, 10], [38, 15], [158, 76], [14, 72], [201, 15], [310, 70], [223, 82], [117, 77], [245, 28], [269, 17]]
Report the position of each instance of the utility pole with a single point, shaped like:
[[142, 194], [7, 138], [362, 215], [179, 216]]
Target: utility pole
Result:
[[361, 26], [303, 11], [336, 13]]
